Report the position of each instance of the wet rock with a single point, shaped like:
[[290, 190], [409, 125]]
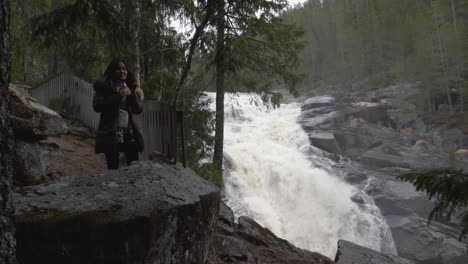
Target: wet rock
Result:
[[350, 253], [145, 213], [252, 243], [404, 119], [316, 102], [55, 157], [427, 243], [31, 120], [452, 138], [382, 135], [377, 159], [354, 144], [324, 141], [375, 113], [29, 164], [457, 260]]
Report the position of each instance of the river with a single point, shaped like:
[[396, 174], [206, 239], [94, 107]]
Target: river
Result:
[[273, 175]]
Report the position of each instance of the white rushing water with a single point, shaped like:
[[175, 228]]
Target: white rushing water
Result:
[[271, 177]]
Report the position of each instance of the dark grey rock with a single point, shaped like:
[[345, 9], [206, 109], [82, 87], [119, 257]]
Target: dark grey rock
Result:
[[373, 114], [390, 207], [350, 253], [30, 165], [31, 120], [324, 141], [380, 134], [317, 102], [424, 243], [377, 159], [354, 144], [463, 259], [406, 120], [415, 157], [452, 138], [145, 213], [226, 214], [252, 243]]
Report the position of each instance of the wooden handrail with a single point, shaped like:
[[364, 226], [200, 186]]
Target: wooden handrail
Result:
[[159, 122]]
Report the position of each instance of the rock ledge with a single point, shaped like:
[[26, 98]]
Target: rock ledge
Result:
[[144, 213]]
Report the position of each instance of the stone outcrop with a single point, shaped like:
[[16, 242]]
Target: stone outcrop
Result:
[[146, 213], [31, 120], [381, 127], [248, 242], [48, 146], [56, 157], [378, 136], [350, 253]]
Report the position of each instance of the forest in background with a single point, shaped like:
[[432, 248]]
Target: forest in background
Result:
[[233, 45], [351, 44], [365, 44], [347, 45]]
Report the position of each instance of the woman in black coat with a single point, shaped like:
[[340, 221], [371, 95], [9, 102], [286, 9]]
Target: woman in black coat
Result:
[[117, 98]]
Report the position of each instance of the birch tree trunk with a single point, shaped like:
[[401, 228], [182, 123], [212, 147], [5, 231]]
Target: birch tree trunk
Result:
[[7, 228], [458, 67], [136, 41], [442, 57]]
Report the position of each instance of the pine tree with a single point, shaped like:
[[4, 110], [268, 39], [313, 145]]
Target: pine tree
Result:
[[448, 187]]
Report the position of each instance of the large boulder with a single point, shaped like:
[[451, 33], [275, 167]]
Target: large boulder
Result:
[[55, 157], [248, 242], [435, 243], [406, 212], [350, 253], [31, 120], [145, 213], [325, 141]]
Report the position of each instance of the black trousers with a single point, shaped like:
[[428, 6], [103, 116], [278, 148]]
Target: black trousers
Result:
[[113, 157]]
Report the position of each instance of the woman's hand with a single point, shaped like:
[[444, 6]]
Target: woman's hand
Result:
[[123, 90]]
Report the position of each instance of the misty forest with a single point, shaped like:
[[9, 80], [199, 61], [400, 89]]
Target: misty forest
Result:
[[275, 131]]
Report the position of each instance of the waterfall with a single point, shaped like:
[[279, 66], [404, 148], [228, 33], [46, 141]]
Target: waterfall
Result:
[[274, 176]]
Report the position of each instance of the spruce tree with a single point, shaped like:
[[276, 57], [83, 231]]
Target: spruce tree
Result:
[[450, 190]]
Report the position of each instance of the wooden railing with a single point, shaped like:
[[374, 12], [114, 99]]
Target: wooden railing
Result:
[[160, 123]]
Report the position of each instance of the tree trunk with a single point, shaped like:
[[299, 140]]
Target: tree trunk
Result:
[[52, 67], [7, 228], [193, 43], [136, 41], [145, 67], [25, 63], [52, 64], [454, 16], [443, 58], [220, 72], [457, 66]]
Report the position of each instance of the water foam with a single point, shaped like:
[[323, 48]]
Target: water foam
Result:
[[270, 178]]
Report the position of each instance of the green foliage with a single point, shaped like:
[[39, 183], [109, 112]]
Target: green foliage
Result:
[[448, 187], [64, 106], [380, 42], [209, 172], [199, 133], [262, 51]]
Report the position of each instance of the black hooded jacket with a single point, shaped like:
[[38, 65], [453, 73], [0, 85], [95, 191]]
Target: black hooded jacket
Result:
[[106, 101]]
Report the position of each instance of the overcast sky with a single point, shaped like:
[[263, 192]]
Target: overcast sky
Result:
[[293, 2], [176, 24]]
